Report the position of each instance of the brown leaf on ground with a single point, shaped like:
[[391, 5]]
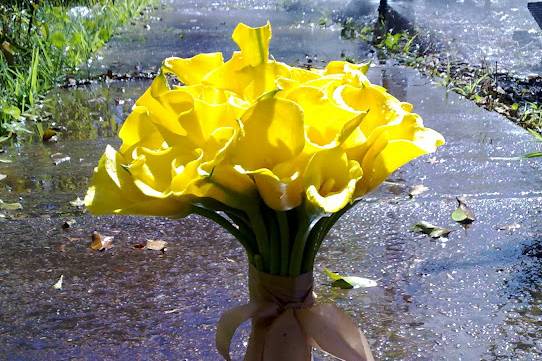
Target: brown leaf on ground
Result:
[[430, 229], [68, 224], [509, 227], [417, 189], [10, 206], [59, 158], [77, 202], [463, 214], [156, 245], [58, 284], [100, 242]]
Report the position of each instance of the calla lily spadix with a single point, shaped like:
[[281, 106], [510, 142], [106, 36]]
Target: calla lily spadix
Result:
[[272, 153]]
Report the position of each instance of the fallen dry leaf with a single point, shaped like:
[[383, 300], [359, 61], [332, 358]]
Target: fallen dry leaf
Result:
[[156, 245], [10, 206], [58, 284], [78, 202], [509, 227], [69, 223], [100, 242], [430, 229], [417, 189], [463, 214], [59, 158], [349, 282]]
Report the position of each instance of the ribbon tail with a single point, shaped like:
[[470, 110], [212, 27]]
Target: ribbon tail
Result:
[[335, 333], [228, 324], [286, 340]]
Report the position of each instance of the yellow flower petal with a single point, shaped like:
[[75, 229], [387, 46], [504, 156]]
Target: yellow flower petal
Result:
[[192, 70], [280, 188], [227, 186], [152, 169], [164, 107], [330, 188], [204, 119], [248, 82], [112, 191], [253, 42], [327, 123], [273, 133], [339, 66], [138, 129], [392, 146]]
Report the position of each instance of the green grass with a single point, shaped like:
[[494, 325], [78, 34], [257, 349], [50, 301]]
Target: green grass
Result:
[[42, 41]]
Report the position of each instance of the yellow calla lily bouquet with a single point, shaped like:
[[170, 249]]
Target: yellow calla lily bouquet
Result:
[[272, 153]]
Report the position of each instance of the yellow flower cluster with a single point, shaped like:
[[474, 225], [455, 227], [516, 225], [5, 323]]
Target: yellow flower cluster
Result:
[[253, 128]]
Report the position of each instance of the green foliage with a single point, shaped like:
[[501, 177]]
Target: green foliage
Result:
[[531, 115], [393, 43], [538, 137], [397, 43], [42, 40], [471, 89], [352, 30]]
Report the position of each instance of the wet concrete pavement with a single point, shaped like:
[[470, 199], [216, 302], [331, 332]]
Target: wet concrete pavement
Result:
[[186, 28], [476, 295], [489, 32]]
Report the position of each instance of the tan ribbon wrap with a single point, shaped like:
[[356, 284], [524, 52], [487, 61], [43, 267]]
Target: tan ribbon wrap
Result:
[[286, 323]]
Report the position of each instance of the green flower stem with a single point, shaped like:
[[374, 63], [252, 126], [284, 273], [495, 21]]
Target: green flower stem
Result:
[[244, 228], [298, 248], [258, 226], [323, 230], [258, 263], [317, 234], [239, 215], [284, 242], [274, 239], [228, 226]]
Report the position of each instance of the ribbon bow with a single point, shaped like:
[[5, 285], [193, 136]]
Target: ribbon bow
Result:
[[286, 323]]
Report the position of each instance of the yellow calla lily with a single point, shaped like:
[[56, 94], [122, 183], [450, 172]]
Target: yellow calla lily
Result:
[[281, 187], [113, 191], [391, 146], [272, 153], [252, 135], [330, 188]]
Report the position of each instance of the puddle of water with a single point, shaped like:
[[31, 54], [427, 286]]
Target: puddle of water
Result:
[[95, 111]]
